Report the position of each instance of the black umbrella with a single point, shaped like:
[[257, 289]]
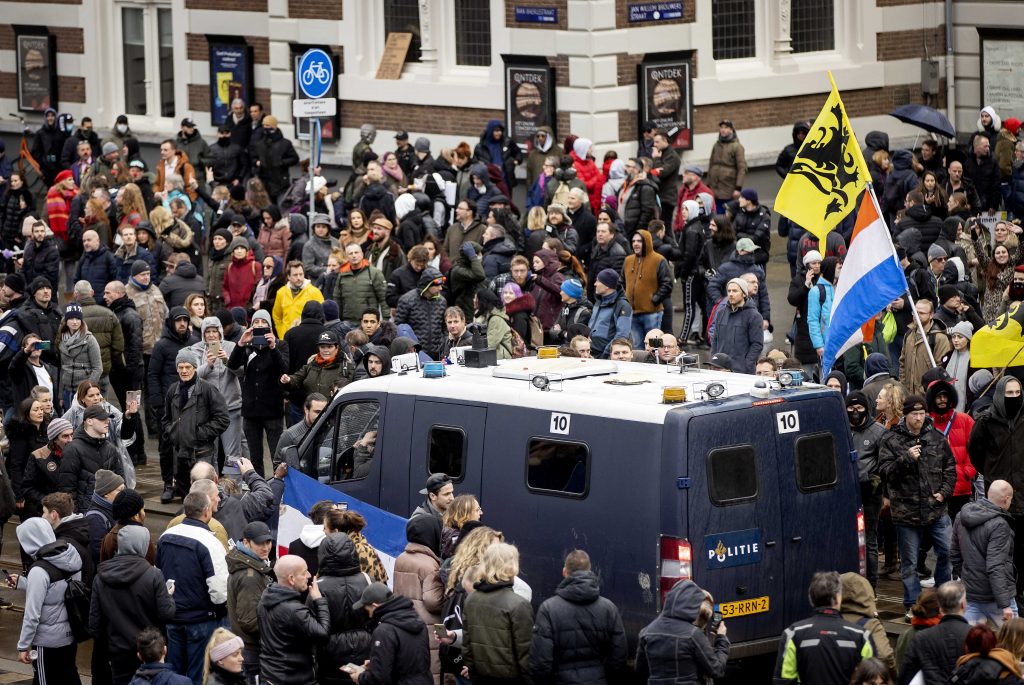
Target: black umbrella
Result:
[[928, 118]]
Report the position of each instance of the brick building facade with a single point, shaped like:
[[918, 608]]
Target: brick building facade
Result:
[[762, 63]]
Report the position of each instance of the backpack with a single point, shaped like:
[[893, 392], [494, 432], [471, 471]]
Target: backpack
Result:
[[536, 333], [519, 349], [561, 196], [77, 597]]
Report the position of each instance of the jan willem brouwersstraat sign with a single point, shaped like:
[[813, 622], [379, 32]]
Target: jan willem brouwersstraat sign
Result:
[[655, 11]]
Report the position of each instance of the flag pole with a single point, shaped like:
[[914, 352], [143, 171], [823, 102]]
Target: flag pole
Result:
[[892, 249]]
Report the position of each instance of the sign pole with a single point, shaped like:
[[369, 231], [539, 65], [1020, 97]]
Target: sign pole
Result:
[[314, 154], [315, 79]]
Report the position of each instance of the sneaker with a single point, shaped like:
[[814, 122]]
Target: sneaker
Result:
[[892, 574], [167, 495], [909, 615], [928, 582]]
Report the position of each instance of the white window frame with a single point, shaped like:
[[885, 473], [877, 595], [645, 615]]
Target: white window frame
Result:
[[151, 38]]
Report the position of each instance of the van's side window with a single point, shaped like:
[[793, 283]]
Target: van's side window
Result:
[[816, 467], [732, 474], [558, 467], [347, 453], [447, 451]]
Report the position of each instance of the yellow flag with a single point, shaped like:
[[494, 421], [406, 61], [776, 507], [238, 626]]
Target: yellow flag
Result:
[[1001, 343], [828, 173]]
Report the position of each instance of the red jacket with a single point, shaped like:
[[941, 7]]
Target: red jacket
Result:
[[593, 179], [956, 436], [240, 280]]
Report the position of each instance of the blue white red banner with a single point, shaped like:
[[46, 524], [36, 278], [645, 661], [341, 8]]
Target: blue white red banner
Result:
[[384, 531]]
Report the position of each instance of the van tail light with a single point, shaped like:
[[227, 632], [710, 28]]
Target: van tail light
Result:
[[676, 563], [862, 548]]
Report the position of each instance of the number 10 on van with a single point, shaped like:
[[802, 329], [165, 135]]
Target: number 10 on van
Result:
[[560, 423], [788, 421]]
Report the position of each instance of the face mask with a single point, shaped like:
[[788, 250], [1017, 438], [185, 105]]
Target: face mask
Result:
[[121, 128], [1013, 405], [1017, 291], [856, 417]]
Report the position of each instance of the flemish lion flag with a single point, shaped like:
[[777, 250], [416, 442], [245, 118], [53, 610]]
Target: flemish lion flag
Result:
[[1001, 343], [828, 173]]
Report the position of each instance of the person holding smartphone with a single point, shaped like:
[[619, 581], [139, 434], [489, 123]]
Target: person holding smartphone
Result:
[[260, 363], [27, 369]]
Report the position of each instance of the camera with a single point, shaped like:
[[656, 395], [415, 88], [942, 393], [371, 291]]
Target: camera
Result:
[[655, 343]]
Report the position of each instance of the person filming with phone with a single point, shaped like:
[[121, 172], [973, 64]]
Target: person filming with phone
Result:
[[260, 364], [28, 369], [677, 645]]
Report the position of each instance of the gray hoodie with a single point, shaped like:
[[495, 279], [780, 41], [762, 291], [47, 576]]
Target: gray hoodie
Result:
[[218, 374], [45, 623], [133, 540]]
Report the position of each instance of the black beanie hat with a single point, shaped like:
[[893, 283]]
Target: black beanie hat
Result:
[[127, 504]]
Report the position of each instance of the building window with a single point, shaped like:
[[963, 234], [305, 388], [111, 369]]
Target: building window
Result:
[[732, 29], [732, 475], [447, 451], [344, 444], [148, 56], [812, 27], [816, 467], [557, 467], [403, 16], [473, 33]]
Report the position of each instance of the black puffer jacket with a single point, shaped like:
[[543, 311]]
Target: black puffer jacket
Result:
[[996, 446], [935, 650], [982, 553], [128, 595], [920, 217], [912, 482], [426, 316], [342, 583], [641, 206], [578, 635], [672, 650], [400, 650], [276, 155], [288, 633], [261, 387], [179, 285], [82, 458]]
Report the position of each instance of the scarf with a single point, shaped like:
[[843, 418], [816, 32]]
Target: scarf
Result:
[[183, 390], [958, 367], [218, 255], [138, 285], [71, 338], [925, 622], [727, 139], [323, 361], [396, 174]]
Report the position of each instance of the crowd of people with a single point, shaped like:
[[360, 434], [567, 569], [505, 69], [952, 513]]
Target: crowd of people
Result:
[[221, 311]]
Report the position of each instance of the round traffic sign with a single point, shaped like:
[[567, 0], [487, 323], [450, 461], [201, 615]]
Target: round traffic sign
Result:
[[316, 73]]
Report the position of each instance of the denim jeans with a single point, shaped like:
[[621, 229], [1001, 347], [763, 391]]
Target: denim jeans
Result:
[[643, 323], [186, 647], [910, 537], [979, 611], [250, 665], [872, 501]]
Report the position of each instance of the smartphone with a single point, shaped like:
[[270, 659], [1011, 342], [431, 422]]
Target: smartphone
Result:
[[41, 345], [716, 620], [352, 668], [440, 630], [133, 396], [7, 575], [259, 337], [213, 348]]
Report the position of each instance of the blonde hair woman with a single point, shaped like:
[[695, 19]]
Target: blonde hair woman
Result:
[[222, 663], [889, 405], [470, 552], [463, 509], [500, 622]]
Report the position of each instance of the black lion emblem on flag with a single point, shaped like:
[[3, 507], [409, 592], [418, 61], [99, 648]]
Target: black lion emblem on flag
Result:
[[824, 162]]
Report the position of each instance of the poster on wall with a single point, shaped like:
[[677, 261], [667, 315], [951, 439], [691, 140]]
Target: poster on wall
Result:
[[230, 76], [529, 98], [665, 97], [36, 55], [330, 127], [1002, 66]]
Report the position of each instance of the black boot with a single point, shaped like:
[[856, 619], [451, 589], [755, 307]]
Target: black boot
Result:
[[167, 495]]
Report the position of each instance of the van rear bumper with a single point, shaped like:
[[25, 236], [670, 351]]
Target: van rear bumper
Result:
[[753, 648]]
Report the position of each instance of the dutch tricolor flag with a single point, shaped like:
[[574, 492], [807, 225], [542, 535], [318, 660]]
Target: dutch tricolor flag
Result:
[[871, 278], [384, 531]]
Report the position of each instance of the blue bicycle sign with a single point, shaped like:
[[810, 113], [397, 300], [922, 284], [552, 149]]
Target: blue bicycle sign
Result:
[[316, 73]]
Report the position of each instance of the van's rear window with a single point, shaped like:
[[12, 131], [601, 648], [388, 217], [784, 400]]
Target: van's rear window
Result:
[[447, 452], [816, 462], [558, 467], [732, 474]]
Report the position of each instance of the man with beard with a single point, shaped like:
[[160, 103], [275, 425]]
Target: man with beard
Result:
[[83, 134], [981, 167], [385, 254]]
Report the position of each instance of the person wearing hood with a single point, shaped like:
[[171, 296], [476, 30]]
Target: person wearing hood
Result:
[[423, 309], [360, 286], [272, 156], [376, 361], [942, 398], [467, 275], [161, 374], [241, 276], [342, 583], [497, 149], [275, 234], [785, 159], [867, 437], [578, 635], [481, 190], [587, 171], [48, 145], [547, 284], [919, 215], [219, 259], [982, 555], [647, 283], [44, 626], [543, 140], [128, 595], [214, 351], [129, 509], [737, 328], [877, 374], [989, 124], [875, 141], [181, 281], [258, 358], [858, 607], [400, 647], [249, 574], [996, 448], [329, 367], [416, 574], [836, 380], [901, 179], [289, 629], [319, 247], [920, 472], [981, 388], [498, 251]]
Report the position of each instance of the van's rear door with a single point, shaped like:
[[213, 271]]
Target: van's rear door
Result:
[[733, 519], [447, 437], [820, 495]]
